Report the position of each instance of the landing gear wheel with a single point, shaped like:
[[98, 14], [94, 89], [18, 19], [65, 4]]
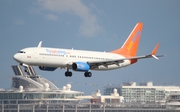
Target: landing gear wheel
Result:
[[87, 74], [68, 74], [90, 74]]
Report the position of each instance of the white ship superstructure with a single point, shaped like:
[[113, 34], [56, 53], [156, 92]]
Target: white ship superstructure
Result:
[[31, 88], [33, 93]]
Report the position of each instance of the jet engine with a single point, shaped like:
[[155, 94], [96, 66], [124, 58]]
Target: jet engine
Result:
[[80, 66], [47, 68]]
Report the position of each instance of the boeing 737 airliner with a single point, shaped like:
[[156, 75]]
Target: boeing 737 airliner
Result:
[[49, 59]]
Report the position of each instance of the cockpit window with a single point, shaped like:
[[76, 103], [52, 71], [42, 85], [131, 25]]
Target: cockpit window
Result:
[[21, 52]]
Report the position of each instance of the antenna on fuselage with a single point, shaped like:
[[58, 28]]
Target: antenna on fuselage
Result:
[[40, 44]]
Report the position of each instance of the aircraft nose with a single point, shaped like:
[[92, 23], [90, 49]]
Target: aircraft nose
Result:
[[17, 57]]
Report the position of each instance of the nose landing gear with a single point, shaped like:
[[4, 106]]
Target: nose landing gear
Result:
[[68, 74]]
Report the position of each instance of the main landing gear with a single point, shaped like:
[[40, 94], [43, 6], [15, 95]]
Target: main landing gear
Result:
[[69, 74], [87, 74]]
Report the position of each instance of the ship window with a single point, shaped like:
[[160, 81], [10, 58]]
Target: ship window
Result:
[[1, 95], [69, 95]]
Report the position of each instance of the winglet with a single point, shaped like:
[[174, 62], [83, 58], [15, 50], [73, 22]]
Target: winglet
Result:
[[154, 52], [40, 44]]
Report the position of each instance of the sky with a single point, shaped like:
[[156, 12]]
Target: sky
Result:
[[97, 25]]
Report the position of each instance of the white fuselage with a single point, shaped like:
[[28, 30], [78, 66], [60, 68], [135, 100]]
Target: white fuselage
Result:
[[57, 57]]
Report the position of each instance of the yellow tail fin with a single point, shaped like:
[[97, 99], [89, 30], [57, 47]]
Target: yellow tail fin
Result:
[[130, 46]]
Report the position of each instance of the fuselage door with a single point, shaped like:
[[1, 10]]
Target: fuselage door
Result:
[[35, 55]]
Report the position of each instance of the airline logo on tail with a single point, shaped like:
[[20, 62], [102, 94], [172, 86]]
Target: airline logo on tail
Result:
[[133, 40]]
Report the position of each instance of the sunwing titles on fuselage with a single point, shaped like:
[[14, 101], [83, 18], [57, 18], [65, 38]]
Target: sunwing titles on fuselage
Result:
[[49, 59]]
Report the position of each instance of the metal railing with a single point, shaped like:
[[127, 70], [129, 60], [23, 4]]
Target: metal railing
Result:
[[83, 107]]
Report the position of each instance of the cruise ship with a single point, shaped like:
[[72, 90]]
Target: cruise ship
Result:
[[33, 93]]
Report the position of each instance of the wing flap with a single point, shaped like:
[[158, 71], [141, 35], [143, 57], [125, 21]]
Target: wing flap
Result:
[[118, 61]]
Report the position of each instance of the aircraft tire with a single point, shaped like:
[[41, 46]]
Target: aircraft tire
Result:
[[68, 74], [87, 74]]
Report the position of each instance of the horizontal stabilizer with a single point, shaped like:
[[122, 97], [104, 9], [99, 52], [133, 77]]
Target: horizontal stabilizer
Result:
[[153, 54]]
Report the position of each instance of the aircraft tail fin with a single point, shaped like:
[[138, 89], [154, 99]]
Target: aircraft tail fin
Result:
[[130, 46]]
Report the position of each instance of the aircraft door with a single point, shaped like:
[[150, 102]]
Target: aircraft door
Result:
[[35, 55]]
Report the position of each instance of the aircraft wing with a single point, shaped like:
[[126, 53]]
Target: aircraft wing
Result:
[[117, 61], [110, 62], [104, 63]]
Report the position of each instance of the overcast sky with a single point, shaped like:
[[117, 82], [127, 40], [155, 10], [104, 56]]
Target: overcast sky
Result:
[[98, 25]]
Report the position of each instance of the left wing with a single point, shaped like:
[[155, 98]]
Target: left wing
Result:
[[117, 61]]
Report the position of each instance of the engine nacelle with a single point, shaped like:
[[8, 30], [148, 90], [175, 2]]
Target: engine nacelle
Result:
[[47, 68], [80, 66]]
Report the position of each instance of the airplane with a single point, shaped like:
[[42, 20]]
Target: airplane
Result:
[[49, 59]]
